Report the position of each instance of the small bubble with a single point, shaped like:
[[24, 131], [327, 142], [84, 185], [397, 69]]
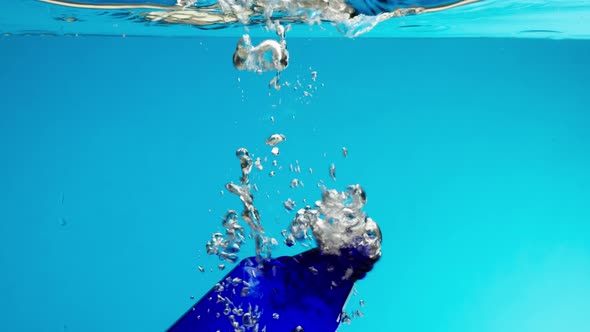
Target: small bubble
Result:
[[245, 291], [345, 319], [258, 164], [274, 83], [221, 267], [333, 171], [271, 173], [192, 297], [290, 240], [247, 320], [201, 268], [289, 204], [275, 151], [275, 316], [344, 152]]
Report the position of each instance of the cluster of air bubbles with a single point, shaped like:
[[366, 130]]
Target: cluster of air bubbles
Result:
[[269, 55], [299, 229], [226, 247], [355, 311], [305, 87], [274, 140], [337, 222], [241, 319]]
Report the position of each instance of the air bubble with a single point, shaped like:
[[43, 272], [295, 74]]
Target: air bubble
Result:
[[258, 164], [275, 139], [289, 204], [333, 171], [345, 318]]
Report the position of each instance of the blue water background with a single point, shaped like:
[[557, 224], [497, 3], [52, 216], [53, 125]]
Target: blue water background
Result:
[[474, 154]]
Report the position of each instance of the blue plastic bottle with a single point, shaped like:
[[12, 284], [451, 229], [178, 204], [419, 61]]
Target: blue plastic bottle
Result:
[[306, 292]]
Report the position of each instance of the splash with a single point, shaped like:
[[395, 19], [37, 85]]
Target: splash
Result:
[[350, 17]]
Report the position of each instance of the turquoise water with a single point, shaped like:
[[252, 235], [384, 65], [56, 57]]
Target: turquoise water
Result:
[[114, 153]]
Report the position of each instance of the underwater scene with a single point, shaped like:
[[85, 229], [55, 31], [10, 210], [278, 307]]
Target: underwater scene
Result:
[[295, 165]]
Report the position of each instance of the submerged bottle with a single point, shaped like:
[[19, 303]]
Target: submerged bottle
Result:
[[306, 292]]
